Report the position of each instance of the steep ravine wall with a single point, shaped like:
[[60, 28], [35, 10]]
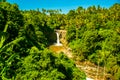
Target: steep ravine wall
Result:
[[62, 36]]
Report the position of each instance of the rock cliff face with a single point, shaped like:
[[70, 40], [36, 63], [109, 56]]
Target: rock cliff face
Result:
[[62, 36]]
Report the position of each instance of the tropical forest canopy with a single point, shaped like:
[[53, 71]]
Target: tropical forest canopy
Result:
[[93, 34]]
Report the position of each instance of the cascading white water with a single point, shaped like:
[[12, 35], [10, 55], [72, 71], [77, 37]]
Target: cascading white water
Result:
[[58, 40]]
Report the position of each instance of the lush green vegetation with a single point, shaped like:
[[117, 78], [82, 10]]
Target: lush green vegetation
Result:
[[24, 38], [93, 34]]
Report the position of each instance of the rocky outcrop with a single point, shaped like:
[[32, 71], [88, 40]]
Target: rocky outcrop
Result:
[[62, 35]]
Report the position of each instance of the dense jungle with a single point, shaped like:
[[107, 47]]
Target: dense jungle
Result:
[[92, 34]]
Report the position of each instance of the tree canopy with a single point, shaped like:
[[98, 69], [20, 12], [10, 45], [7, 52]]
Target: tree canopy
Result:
[[93, 34], [24, 38]]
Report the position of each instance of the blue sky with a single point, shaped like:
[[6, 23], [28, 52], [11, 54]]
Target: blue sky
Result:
[[65, 5]]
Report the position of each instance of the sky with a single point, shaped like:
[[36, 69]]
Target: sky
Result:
[[64, 5]]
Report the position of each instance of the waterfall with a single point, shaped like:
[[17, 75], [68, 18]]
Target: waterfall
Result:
[[58, 40]]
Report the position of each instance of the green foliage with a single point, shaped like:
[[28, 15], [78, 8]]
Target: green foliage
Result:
[[10, 17], [92, 34], [42, 65], [71, 36], [24, 36], [95, 36]]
